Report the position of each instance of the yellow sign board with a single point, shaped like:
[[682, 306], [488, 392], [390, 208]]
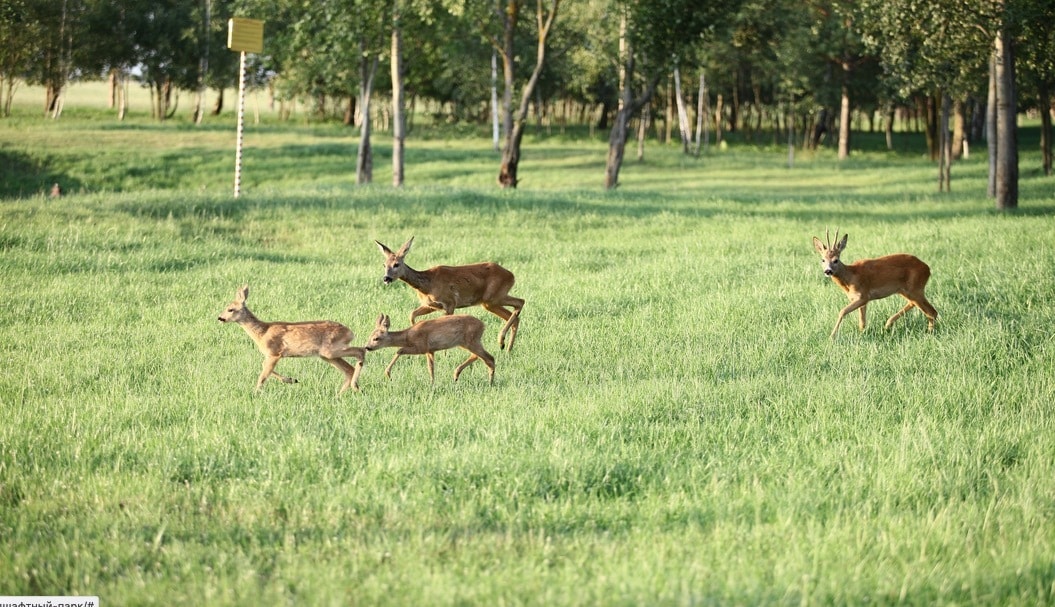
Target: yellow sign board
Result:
[[245, 35]]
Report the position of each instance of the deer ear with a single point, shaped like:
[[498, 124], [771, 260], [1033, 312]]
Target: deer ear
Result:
[[384, 249], [842, 243], [405, 248], [243, 293], [385, 322], [817, 244]]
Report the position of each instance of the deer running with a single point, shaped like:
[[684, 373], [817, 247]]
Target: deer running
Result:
[[430, 336], [869, 279], [448, 288], [326, 339]]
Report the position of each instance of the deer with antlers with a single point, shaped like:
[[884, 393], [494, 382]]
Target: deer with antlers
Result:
[[870, 279], [448, 288], [330, 341], [430, 336]]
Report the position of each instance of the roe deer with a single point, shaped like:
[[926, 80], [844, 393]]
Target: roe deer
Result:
[[450, 287], [326, 339], [430, 336], [869, 279]]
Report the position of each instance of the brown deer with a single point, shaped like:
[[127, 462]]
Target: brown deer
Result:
[[326, 339], [448, 288], [430, 336], [869, 279]]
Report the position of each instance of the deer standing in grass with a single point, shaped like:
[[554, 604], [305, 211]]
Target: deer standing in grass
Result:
[[430, 336], [869, 279], [448, 288], [326, 339]]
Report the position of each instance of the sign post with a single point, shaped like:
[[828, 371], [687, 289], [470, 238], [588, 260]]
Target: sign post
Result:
[[244, 36]]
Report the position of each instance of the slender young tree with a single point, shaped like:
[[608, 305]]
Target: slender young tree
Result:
[[507, 14], [398, 120], [652, 35]]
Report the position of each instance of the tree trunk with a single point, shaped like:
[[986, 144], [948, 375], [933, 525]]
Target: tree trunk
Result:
[[718, 109], [364, 162], [507, 172], [959, 128], [203, 62], [616, 147], [844, 123], [398, 120], [1006, 126], [990, 127], [1044, 96], [683, 116], [889, 127], [218, 106], [642, 130], [944, 146], [701, 111], [496, 134], [668, 120], [932, 127]]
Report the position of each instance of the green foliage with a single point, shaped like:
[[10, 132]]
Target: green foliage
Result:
[[673, 427]]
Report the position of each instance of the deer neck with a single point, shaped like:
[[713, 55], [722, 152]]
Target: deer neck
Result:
[[845, 277], [396, 339], [421, 281], [253, 325]]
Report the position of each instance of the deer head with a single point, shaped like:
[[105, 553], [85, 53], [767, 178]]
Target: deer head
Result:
[[394, 266], [377, 338], [236, 310], [830, 254]]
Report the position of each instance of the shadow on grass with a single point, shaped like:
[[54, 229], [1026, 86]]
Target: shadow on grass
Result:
[[25, 176]]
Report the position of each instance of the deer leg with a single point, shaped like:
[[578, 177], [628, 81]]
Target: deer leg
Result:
[[388, 369], [512, 319], [861, 313], [472, 358], [890, 321], [431, 364], [508, 317], [269, 369], [928, 311], [351, 374], [423, 310], [850, 308]]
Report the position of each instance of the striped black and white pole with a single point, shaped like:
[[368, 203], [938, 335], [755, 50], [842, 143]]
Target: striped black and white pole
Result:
[[241, 127]]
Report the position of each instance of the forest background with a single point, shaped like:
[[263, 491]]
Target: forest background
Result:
[[801, 71], [674, 426]]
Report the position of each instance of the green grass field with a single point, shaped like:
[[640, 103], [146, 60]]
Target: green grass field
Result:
[[674, 426]]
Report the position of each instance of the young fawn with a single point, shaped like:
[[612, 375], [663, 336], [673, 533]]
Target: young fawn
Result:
[[431, 336], [326, 339], [448, 288], [869, 279]]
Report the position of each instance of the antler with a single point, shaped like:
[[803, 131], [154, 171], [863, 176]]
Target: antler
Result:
[[828, 238]]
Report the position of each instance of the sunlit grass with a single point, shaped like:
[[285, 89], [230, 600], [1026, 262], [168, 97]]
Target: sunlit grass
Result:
[[673, 427]]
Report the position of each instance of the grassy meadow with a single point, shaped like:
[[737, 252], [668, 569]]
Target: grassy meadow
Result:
[[673, 427]]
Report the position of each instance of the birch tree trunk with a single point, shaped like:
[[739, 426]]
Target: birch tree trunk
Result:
[[1006, 126], [683, 116], [700, 109], [945, 146], [844, 122], [398, 119], [495, 132], [990, 127], [364, 161]]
